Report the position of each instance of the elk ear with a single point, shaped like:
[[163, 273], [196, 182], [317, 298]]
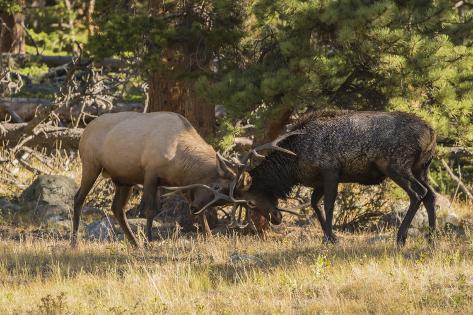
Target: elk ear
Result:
[[223, 169], [246, 181]]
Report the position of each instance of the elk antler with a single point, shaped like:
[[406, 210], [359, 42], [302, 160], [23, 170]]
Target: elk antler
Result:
[[217, 195], [242, 166], [273, 145], [244, 163], [293, 209], [236, 223]]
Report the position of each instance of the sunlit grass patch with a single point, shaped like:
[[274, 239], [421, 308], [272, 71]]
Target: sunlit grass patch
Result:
[[236, 274]]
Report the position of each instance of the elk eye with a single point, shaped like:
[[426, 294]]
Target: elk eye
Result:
[[216, 187]]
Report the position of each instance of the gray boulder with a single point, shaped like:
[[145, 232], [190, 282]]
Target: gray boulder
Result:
[[48, 196], [397, 213], [90, 214], [7, 206], [447, 219], [108, 229], [454, 225], [102, 230]]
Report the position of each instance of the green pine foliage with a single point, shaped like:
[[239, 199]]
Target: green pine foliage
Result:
[[10, 6], [261, 57], [201, 31], [413, 56]]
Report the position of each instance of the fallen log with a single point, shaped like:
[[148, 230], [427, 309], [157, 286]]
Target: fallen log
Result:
[[457, 179], [24, 109], [45, 136], [20, 109], [38, 133], [55, 61]]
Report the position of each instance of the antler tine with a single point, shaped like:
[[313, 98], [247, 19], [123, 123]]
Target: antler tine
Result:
[[243, 165], [225, 159], [293, 209], [181, 188], [236, 223], [217, 195], [273, 145]]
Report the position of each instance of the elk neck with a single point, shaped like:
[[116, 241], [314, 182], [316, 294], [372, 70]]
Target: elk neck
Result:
[[276, 175], [198, 165]]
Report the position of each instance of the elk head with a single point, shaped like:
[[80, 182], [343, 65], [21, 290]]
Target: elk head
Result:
[[211, 191], [241, 184], [233, 186]]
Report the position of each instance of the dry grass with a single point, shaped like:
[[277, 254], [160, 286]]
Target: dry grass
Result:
[[293, 273]]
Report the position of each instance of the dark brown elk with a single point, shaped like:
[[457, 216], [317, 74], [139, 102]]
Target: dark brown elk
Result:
[[153, 149], [346, 147]]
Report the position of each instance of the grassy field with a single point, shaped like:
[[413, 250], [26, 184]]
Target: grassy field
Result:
[[284, 274]]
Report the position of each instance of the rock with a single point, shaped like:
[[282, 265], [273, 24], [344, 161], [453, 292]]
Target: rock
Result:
[[91, 214], [108, 229], [452, 219], [48, 196], [414, 232], [443, 202], [8, 206], [238, 258], [378, 239], [59, 226], [102, 230], [55, 218], [454, 225], [138, 225], [396, 215], [447, 219], [4, 203]]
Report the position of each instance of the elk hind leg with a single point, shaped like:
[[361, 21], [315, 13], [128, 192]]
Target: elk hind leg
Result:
[[429, 202], [416, 192], [90, 173], [150, 199], [122, 194]]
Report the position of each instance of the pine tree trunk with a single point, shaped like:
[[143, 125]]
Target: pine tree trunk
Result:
[[13, 35], [89, 16], [274, 124], [177, 96]]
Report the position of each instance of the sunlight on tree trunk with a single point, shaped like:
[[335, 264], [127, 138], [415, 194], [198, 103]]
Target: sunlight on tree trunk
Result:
[[177, 96], [13, 32]]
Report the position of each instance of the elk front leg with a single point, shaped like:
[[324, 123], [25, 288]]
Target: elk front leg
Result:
[[205, 223], [89, 176], [150, 189], [317, 194], [330, 194]]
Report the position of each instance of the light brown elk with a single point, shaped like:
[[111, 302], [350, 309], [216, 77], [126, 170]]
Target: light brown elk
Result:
[[153, 149]]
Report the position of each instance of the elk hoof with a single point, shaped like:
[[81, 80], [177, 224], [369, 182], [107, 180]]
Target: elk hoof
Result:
[[332, 239], [430, 236], [401, 240]]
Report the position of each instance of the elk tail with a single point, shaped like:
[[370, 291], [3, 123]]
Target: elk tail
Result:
[[427, 143]]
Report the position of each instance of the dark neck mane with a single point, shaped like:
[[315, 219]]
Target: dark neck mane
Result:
[[276, 175]]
